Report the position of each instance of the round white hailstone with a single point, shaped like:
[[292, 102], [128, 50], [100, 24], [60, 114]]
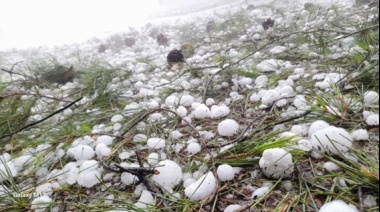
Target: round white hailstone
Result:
[[299, 71], [261, 93], [7, 169], [146, 200], [156, 116], [88, 174], [260, 192], [106, 139], [175, 134], [360, 135], [41, 203], [300, 101], [276, 163], [171, 100], [210, 101], [182, 111], [371, 98], [170, 174], [373, 120], [338, 206], [128, 178], [186, 100], [99, 148], [81, 152], [277, 49], [204, 187], [225, 172], [270, 97], [188, 182], [369, 201], [125, 155], [202, 112], [332, 139], [281, 103], [117, 118], [254, 98], [187, 175], [195, 105], [288, 185], [228, 127], [5, 157], [317, 125], [186, 120], [219, 111], [117, 127], [45, 189], [330, 166], [153, 158], [106, 151], [245, 81], [301, 130], [197, 174], [20, 161], [153, 104], [138, 138], [41, 172], [304, 145], [132, 108], [267, 65], [156, 143], [261, 81], [232, 208], [193, 148], [286, 91]]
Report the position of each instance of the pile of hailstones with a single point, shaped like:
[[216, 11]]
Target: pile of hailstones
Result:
[[318, 137]]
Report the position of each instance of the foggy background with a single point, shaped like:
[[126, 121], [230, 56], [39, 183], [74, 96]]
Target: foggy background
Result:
[[33, 23]]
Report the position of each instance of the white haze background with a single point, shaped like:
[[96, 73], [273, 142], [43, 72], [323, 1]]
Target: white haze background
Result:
[[33, 23]]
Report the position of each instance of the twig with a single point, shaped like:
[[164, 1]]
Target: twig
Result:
[[41, 120], [10, 72], [162, 109], [360, 194]]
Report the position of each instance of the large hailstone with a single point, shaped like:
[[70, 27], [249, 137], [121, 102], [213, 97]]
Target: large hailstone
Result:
[[225, 172], [156, 143], [373, 120], [219, 111], [317, 125], [276, 163], [338, 206], [228, 127], [7, 170], [81, 152], [270, 97], [331, 139], [170, 174], [89, 175], [371, 98], [204, 187], [146, 200], [186, 100], [202, 112], [41, 203]]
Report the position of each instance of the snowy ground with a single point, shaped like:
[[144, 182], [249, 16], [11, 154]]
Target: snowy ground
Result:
[[277, 119]]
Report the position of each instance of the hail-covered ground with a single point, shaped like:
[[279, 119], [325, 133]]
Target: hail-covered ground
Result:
[[275, 109]]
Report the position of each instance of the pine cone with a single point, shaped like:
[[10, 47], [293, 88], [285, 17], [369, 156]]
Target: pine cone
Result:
[[130, 41], [162, 40], [268, 24], [102, 48], [175, 56]]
